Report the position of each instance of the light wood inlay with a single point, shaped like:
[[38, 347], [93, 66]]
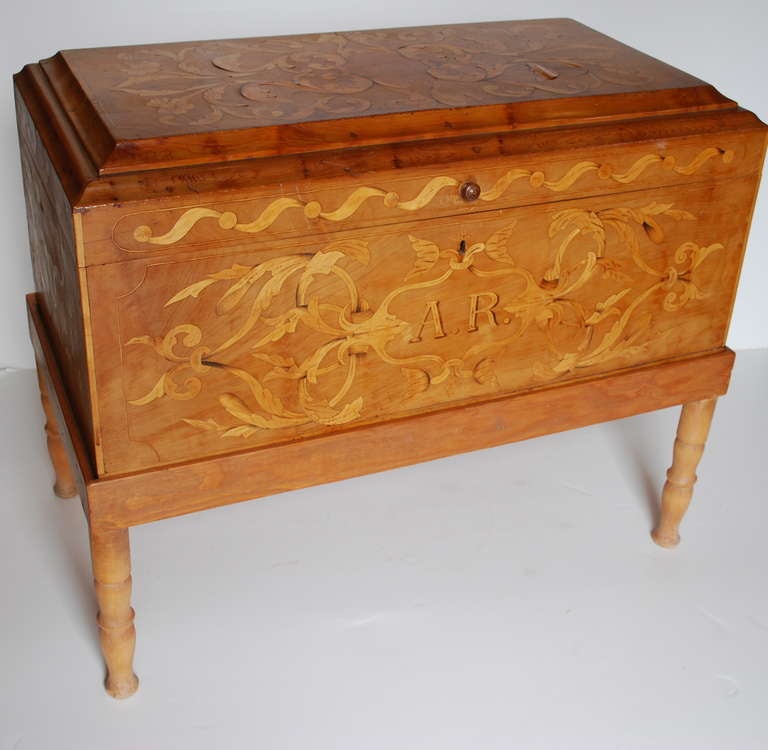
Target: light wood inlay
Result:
[[267, 346], [352, 327], [228, 220]]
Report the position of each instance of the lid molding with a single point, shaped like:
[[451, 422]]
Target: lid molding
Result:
[[192, 103]]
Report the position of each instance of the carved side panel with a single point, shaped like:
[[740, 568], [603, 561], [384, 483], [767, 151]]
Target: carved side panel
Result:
[[221, 354], [54, 263]]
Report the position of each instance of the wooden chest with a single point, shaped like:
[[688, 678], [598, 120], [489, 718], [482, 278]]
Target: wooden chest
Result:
[[266, 263]]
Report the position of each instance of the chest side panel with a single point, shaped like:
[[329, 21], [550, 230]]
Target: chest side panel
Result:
[[55, 267], [262, 345]]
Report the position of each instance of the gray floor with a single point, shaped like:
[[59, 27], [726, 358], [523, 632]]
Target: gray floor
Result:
[[509, 598]]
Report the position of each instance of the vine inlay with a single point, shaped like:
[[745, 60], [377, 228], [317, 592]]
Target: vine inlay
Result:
[[228, 220]]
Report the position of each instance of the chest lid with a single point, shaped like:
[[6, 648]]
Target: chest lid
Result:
[[154, 106]]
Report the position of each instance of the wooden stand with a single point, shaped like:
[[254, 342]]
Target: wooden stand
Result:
[[114, 504]]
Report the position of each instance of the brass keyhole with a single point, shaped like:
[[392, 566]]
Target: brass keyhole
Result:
[[462, 247]]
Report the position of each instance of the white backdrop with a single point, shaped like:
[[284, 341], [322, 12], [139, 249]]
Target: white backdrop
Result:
[[722, 43]]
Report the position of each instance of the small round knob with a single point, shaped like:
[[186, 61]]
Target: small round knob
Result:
[[469, 191]]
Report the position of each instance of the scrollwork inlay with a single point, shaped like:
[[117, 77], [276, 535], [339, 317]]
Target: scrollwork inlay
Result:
[[602, 330], [228, 220]]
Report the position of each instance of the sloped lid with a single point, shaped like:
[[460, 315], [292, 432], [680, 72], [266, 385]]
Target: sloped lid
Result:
[[161, 105]]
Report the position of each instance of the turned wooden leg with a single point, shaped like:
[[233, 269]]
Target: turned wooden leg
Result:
[[692, 431], [111, 556], [65, 481]]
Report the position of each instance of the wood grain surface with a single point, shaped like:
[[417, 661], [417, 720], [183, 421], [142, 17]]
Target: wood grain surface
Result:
[[736, 130], [692, 432], [403, 195], [149, 496], [58, 277], [142, 497], [221, 353], [287, 296], [165, 89], [154, 106]]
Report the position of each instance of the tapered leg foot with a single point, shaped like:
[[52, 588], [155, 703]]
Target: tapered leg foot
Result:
[[64, 491], [111, 556], [122, 689], [692, 431], [65, 482]]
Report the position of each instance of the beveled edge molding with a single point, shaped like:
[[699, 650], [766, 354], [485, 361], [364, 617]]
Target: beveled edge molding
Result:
[[228, 220]]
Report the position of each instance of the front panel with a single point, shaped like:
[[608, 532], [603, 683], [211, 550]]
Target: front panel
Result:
[[264, 345]]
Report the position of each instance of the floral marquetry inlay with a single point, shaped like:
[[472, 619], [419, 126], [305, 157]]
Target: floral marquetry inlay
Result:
[[345, 74], [261, 82], [300, 334]]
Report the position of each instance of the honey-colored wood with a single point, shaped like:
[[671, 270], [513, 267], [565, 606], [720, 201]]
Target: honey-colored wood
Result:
[[186, 488], [324, 207], [154, 106], [152, 495], [64, 486], [111, 558], [211, 355], [733, 129], [263, 264], [330, 196], [75, 444], [51, 239], [692, 431]]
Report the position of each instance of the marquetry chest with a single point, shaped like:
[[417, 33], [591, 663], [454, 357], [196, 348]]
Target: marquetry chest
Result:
[[261, 264]]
